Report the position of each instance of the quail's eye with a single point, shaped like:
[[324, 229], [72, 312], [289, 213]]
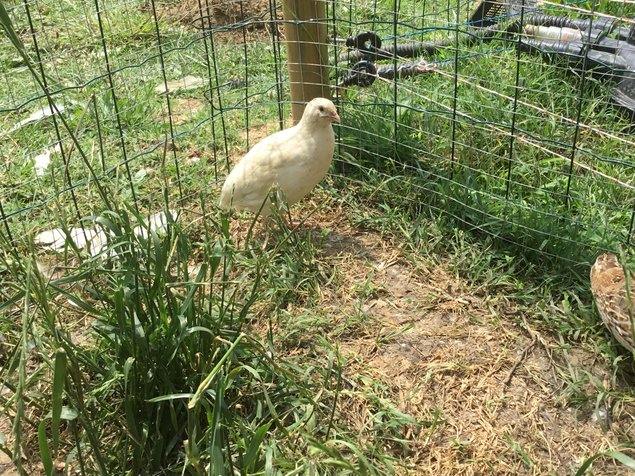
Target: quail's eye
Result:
[[321, 108]]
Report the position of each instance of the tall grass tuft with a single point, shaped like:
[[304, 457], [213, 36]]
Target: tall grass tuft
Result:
[[171, 377]]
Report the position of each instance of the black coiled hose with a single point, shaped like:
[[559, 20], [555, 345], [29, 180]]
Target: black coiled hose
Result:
[[368, 45], [372, 50]]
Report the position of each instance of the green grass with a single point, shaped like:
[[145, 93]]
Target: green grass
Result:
[[170, 361], [183, 370]]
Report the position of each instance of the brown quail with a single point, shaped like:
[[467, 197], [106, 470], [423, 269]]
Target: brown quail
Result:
[[608, 285]]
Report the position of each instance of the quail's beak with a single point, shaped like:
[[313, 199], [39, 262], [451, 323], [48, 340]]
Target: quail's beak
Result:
[[335, 118]]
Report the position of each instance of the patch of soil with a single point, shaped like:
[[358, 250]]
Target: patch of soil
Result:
[[487, 384], [7, 468], [183, 109], [254, 14]]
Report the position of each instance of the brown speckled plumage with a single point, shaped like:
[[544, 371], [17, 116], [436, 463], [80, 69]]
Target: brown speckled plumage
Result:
[[608, 285]]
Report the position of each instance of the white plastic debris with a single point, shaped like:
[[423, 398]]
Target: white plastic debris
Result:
[[157, 223], [183, 84], [95, 240], [88, 238], [54, 239], [41, 162], [36, 116]]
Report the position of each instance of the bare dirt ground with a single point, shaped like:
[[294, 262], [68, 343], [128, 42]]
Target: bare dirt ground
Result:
[[255, 13], [488, 382]]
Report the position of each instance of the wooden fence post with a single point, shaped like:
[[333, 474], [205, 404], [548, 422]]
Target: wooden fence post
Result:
[[307, 40]]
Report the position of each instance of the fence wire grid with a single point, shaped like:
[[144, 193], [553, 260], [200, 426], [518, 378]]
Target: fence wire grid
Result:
[[487, 120]]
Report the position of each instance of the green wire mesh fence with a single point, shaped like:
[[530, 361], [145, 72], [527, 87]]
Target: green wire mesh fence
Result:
[[509, 120], [457, 114]]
